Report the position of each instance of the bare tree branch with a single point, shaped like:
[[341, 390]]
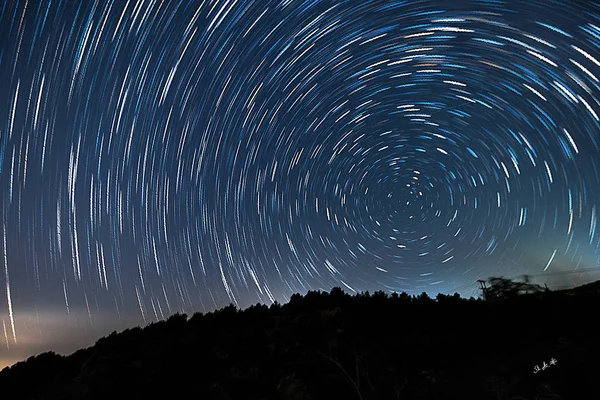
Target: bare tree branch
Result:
[[336, 362]]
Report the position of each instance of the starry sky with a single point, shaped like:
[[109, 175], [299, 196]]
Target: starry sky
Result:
[[164, 156]]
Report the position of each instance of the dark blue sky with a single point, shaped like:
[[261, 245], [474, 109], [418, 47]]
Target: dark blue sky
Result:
[[172, 156]]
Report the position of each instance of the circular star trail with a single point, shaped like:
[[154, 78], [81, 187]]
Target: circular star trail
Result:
[[183, 155]]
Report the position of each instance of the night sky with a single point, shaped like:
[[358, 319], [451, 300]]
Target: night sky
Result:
[[165, 156]]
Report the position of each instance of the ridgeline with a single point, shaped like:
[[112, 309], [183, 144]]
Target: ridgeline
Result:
[[541, 345]]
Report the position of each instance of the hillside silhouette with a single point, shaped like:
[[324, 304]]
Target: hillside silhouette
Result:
[[529, 343]]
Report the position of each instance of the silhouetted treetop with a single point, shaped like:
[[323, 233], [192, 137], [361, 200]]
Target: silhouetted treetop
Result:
[[504, 288], [330, 345]]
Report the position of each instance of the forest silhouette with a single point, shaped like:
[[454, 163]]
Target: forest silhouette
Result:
[[519, 341]]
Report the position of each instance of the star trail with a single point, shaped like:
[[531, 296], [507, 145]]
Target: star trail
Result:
[[172, 156]]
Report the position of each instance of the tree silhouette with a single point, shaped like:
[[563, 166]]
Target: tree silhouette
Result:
[[333, 345], [503, 288]]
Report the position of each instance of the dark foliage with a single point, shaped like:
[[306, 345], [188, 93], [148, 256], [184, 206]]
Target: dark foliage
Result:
[[502, 288], [336, 346]]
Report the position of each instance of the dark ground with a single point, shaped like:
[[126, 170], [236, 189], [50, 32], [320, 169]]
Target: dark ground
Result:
[[336, 346]]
